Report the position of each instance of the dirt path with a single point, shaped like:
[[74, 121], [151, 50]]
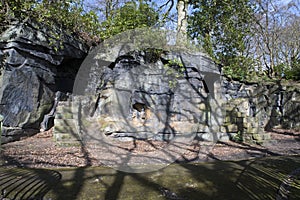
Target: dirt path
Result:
[[40, 151]]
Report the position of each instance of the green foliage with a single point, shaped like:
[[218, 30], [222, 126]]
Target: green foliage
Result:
[[15, 9], [132, 15], [293, 73], [68, 15], [18, 9], [175, 70], [222, 28], [288, 71], [239, 68], [238, 137], [175, 63]]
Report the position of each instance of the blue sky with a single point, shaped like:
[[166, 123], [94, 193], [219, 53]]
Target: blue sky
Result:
[[161, 2]]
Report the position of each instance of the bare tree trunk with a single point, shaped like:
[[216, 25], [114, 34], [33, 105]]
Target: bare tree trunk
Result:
[[108, 8], [182, 11]]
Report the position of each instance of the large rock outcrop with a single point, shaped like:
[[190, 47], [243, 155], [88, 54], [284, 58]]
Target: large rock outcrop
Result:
[[149, 94], [35, 63], [157, 94]]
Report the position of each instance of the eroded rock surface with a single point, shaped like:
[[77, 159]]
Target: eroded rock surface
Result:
[[35, 63], [146, 96]]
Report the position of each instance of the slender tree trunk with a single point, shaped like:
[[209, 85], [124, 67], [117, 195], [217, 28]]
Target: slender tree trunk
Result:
[[182, 11], [108, 8]]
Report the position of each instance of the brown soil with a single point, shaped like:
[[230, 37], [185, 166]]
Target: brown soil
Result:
[[40, 151]]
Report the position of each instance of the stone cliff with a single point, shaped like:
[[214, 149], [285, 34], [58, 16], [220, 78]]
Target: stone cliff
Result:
[[36, 61], [151, 94]]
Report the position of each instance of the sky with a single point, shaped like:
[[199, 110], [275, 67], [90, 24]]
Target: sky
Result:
[[161, 2]]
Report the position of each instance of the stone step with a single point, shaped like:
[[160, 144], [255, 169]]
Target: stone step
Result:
[[210, 137], [262, 136], [66, 132], [65, 126], [64, 108], [64, 115], [69, 143], [229, 128], [66, 137]]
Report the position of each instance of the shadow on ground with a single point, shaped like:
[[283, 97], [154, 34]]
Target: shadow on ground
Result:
[[18, 183], [265, 178]]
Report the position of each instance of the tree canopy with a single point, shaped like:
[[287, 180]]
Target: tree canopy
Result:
[[130, 16], [222, 28], [249, 38], [67, 14]]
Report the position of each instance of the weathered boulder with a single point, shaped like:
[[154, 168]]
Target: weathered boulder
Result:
[[36, 61], [150, 93]]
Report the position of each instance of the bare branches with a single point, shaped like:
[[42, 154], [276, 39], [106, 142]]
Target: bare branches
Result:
[[277, 31], [169, 5]]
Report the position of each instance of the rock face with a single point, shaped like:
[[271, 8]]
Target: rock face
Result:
[[253, 108], [35, 63], [152, 94], [144, 95], [124, 93]]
